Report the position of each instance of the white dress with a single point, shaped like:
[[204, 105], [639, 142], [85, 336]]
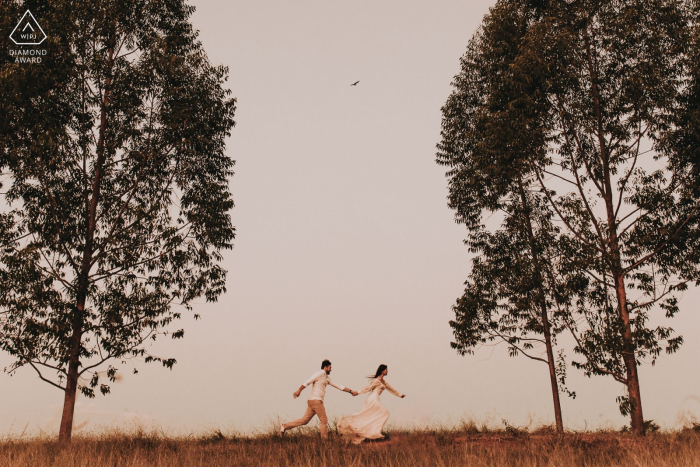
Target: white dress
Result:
[[368, 423]]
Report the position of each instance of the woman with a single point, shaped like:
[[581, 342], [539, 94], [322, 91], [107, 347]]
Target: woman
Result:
[[369, 422]]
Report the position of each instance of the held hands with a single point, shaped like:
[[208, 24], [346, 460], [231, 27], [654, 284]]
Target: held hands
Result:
[[354, 393]]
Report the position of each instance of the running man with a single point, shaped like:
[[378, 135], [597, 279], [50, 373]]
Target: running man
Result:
[[319, 380]]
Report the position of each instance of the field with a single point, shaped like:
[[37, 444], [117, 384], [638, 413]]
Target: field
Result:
[[467, 445]]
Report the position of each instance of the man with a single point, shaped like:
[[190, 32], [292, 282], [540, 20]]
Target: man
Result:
[[319, 380]]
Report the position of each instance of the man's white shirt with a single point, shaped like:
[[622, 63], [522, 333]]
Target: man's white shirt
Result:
[[320, 380]]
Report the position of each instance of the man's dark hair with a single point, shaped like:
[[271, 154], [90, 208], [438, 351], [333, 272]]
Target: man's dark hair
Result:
[[325, 364]]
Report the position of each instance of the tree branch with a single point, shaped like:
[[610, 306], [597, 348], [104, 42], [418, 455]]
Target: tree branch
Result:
[[41, 377]]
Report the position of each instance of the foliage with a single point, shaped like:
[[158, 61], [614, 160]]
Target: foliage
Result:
[[505, 291]]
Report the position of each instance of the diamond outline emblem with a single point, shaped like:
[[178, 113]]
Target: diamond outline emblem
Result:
[[36, 23]]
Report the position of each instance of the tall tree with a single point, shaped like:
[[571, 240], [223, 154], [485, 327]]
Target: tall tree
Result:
[[496, 111], [113, 152], [619, 69], [612, 76]]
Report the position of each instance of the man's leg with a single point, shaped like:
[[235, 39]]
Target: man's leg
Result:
[[308, 415], [320, 410]]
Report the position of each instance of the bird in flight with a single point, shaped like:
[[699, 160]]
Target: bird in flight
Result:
[[355, 83]]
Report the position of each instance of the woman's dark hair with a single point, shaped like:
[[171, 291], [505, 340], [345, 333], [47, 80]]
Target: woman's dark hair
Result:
[[325, 363], [381, 368]]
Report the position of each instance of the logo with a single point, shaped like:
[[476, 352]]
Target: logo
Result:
[[28, 31]]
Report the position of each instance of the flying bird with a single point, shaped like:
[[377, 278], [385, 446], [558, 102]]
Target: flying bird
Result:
[[355, 83]]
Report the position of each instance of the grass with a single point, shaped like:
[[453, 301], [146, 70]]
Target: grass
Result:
[[465, 445]]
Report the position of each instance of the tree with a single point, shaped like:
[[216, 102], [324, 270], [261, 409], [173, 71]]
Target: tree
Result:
[[493, 113], [611, 77], [113, 149]]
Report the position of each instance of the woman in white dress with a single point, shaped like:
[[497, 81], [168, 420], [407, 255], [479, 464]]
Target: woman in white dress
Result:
[[368, 423]]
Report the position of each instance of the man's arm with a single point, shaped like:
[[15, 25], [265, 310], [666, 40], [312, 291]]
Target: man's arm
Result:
[[313, 378], [342, 388]]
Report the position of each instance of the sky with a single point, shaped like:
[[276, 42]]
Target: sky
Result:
[[345, 246]]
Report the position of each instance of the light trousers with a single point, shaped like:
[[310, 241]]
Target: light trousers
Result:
[[314, 408]]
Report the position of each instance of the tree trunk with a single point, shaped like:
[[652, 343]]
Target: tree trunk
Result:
[[552, 372], [633, 391], [543, 307], [65, 432], [628, 354], [612, 241]]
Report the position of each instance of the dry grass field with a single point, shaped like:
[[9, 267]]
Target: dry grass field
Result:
[[463, 446]]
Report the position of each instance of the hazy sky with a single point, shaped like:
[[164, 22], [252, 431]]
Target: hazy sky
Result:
[[345, 246]]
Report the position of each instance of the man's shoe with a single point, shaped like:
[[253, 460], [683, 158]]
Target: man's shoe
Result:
[[281, 428]]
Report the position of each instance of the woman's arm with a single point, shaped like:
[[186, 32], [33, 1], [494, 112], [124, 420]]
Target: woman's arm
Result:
[[393, 391]]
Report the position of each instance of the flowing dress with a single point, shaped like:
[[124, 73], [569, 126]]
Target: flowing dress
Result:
[[368, 423]]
